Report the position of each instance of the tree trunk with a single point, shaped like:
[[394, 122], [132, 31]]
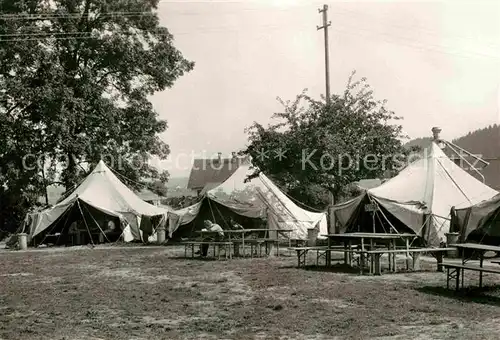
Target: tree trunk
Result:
[[45, 183], [334, 194], [70, 173]]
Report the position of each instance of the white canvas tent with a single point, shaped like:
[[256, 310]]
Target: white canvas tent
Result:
[[259, 198], [103, 192], [178, 218], [420, 197], [479, 223]]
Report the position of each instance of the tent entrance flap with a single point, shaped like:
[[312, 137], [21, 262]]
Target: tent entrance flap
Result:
[[361, 220], [100, 199], [82, 224]]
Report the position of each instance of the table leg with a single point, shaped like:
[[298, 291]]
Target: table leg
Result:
[[346, 254], [448, 278], [394, 269], [481, 258], [329, 254], [351, 254], [389, 257], [372, 264], [463, 263], [416, 261], [377, 266], [463, 274], [408, 254], [362, 256], [439, 258]]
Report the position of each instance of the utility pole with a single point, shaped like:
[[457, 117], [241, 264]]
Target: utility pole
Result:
[[325, 26], [330, 217]]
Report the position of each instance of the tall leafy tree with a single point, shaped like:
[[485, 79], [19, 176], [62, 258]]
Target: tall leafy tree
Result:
[[315, 144], [75, 78]]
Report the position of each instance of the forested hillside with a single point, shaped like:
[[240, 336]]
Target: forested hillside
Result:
[[422, 142], [484, 141]]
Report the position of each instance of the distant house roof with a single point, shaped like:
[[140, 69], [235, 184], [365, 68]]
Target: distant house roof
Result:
[[206, 171]]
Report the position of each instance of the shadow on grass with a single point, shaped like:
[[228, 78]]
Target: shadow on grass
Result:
[[468, 294], [196, 258], [212, 258], [336, 268]]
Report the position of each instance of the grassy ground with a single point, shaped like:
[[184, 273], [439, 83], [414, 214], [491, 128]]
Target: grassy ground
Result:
[[152, 293]]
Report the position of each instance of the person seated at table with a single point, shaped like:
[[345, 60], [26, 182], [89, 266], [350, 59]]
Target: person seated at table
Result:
[[210, 226], [111, 227], [112, 231]]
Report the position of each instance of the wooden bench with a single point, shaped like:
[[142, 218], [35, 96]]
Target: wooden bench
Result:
[[321, 252], [415, 253], [269, 244], [216, 245], [496, 262], [455, 271], [302, 254], [255, 245]]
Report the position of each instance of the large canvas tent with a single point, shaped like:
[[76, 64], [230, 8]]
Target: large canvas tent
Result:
[[256, 199], [182, 217], [479, 223], [100, 196], [417, 200]]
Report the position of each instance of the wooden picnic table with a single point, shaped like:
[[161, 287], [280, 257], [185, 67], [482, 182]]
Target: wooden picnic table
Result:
[[368, 239], [477, 249], [216, 245], [242, 232], [375, 256]]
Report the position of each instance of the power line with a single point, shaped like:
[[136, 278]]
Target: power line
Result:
[[422, 46], [420, 29], [82, 35], [225, 29], [43, 35], [338, 10], [47, 16], [144, 13], [343, 11], [152, 11]]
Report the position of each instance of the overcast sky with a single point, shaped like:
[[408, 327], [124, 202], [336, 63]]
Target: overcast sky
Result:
[[437, 63]]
